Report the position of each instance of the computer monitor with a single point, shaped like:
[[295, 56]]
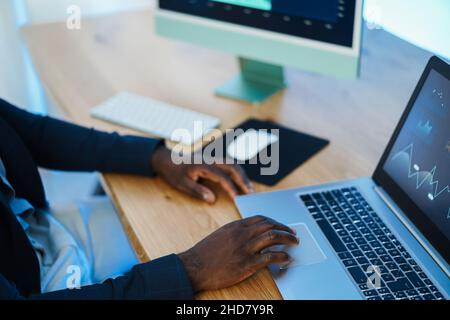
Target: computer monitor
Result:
[[315, 35]]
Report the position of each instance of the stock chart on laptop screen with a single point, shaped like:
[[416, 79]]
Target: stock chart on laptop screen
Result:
[[420, 159]]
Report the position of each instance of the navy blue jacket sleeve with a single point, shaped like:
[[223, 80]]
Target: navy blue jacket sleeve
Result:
[[59, 145], [163, 278], [8, 290]]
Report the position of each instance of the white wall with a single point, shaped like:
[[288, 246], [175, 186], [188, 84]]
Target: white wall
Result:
[[425, 23], [41, 11]]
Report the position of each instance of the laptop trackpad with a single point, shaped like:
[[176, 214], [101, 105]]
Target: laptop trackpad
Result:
[[308, 252]]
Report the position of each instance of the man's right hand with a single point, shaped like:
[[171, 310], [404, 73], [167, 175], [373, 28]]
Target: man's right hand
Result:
[[235, 252]]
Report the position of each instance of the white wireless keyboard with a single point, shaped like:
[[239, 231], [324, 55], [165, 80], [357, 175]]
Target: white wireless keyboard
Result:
[[155, 117]]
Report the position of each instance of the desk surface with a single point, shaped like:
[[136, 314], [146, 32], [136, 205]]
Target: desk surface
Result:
[[82, 68]]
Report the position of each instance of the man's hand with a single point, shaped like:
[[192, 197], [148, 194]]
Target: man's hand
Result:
[[187, 177], [234, 252]]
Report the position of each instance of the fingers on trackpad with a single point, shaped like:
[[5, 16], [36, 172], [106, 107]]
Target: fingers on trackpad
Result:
[[308, 252]]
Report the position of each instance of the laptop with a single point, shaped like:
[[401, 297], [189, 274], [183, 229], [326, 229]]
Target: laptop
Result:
[[381, 238]]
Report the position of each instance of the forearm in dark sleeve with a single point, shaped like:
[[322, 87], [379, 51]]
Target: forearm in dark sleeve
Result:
[[8, 290], [163, 278], [59, 145]]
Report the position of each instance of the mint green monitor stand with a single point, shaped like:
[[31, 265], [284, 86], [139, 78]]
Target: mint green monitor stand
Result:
[[257, 82]]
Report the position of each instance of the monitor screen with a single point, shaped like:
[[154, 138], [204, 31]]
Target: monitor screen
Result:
[[326, 11], [419, 160], [330, 21]]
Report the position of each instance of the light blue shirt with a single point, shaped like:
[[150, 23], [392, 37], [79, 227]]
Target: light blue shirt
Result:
[[56, 248]]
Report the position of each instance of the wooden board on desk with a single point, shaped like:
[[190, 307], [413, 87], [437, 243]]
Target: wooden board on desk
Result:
[[82, 68]]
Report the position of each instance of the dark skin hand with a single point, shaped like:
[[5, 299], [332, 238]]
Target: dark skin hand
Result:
[[187, 178], [233, 253]]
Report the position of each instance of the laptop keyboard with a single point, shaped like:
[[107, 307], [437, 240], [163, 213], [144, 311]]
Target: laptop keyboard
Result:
[[366, 246]]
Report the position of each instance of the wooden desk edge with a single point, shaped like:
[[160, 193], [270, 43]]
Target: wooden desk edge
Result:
[[132, 236]]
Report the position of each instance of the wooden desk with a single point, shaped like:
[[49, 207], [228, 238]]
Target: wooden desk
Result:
[[80, 69]]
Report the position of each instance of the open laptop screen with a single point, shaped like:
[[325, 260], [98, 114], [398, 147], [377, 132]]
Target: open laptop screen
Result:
[[416, 166]]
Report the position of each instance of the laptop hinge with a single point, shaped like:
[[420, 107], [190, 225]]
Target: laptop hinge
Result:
[[391, 204]]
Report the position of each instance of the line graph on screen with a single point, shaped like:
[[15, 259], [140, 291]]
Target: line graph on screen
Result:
[[422, 178]]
